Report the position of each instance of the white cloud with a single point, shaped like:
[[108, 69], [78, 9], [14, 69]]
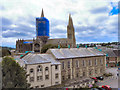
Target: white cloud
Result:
[[83, 14]]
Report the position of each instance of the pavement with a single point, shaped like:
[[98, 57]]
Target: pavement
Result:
[[111, 81]]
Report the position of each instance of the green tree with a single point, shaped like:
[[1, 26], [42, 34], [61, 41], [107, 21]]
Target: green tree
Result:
[[47, 46], [13, 76], [5, 52]]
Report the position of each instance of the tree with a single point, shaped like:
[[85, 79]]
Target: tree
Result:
[[13, 76], [47, 46], [5, 52]]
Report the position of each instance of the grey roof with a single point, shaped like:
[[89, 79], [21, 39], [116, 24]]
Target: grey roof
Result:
[[49, 58], [33, 58], [110, 53], [117, 52], [75, 52]]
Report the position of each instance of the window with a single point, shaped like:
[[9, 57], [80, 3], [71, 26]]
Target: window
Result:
[[39, 68], [95, 61], [56, 67], [36, 86], [83, 73], [101, 61], [46, 76], [95, 71], [56, 83], [68, 76], [31, 79], [56, 76], [90, 63], [62, 65], [46, 69], [77, 63], [42, 85], [63, 78], [68, 64], [39, 78], [83, 62], [77, 75], [101, 70], [31, 70]]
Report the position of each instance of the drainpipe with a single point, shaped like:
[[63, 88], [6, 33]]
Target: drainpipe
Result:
[[51, 75]]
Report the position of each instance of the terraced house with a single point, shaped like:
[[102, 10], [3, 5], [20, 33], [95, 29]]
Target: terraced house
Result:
[[62, 65]]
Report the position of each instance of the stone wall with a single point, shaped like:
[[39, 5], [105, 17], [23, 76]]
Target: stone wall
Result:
[[91, 68]]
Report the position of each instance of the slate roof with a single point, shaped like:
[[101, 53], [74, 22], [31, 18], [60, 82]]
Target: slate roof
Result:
[[64, 53], [117, 52], [110, 53], [33, 58]]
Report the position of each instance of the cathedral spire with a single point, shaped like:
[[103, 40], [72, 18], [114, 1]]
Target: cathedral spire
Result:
[[70, 22], [42, 14], [71, 32]]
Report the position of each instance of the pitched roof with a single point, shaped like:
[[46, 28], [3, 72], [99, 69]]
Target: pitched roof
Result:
[[33, 58], [110, 53], [64, 53], [117, 52]]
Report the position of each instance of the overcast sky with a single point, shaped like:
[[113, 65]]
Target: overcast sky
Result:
[[94, 20]]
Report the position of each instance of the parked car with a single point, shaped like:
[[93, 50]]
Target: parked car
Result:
[[100, 78], [95, 89], [95, 79], [106, 87]]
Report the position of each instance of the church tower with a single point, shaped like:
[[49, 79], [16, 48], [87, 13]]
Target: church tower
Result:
[[42, 32], [71, 32]]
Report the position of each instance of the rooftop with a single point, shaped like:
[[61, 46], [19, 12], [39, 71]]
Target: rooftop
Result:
[[110, 53], [75, 52], [33, 58]]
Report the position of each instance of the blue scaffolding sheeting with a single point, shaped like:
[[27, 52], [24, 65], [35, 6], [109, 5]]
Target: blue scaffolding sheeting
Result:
[[42, 26], [27, 42]]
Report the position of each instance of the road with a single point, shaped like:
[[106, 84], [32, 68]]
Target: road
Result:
[[111, 81]]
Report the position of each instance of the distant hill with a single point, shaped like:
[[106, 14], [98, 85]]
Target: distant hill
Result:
[[9, 48]]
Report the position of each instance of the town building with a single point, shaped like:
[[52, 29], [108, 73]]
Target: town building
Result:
[[111, 58], [42, 69], [77, 63], [63, 65], [42, 37]]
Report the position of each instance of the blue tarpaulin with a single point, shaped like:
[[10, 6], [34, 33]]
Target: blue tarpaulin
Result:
[[27, 42], [42, 26]]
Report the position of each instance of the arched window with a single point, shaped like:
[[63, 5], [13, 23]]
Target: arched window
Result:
[[31, 70], [39, 68], [46, 69]]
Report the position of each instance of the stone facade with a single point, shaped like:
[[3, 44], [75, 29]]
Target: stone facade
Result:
[[86, 66], [63, 65], [41, 70], [36, 44], [82, 67], [43, 78]]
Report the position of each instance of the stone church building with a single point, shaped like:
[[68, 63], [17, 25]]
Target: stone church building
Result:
[[42, 37]]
